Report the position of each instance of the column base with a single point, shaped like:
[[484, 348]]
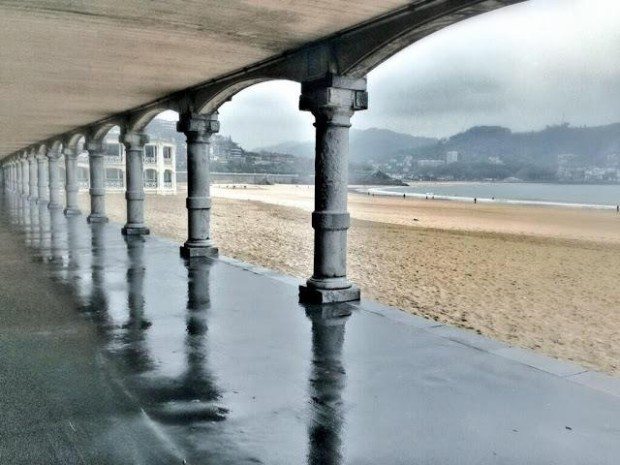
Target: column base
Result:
[[70, 211], [188, 251], [313, 295], [135, 230], [97, 218]]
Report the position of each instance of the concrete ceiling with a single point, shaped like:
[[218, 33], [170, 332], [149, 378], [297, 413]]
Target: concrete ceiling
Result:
[[67, 63]]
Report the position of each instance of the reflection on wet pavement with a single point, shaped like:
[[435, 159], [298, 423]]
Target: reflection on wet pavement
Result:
[[203, 362]]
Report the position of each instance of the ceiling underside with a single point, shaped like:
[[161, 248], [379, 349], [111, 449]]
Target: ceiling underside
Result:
[[64, 64]]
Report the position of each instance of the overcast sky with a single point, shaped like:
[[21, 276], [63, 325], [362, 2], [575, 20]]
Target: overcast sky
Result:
[[525, 66]]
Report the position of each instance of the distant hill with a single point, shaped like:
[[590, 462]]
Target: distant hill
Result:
[[366, 144], [591, 144]]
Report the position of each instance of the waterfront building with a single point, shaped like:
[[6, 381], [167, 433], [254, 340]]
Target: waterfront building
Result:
[[159, 161]]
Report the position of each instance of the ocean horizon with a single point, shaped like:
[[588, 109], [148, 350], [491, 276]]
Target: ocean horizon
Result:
[[597, 196]]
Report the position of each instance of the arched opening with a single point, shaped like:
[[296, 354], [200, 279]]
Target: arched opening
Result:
[[166, 150]]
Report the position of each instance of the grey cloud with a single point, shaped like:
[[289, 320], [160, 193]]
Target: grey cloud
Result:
[[524, 67]]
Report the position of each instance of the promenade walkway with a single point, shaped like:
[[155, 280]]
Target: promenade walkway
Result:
[[116, 351]]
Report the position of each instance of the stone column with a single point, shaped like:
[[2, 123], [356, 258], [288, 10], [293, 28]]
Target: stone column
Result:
[[71, 184], [198, 130], [54, 180], [32, 170], [6, 176], [25, 176], [43, 179], [134, 150], [14, 176], [97, 182], [332, 100]]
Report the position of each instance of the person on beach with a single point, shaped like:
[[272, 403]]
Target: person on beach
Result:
[[475, 200]]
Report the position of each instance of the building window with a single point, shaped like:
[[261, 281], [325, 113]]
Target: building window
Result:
[[167, 152], [167, 176], [150, 153], [114, 175], [112, 149], [150, 179]]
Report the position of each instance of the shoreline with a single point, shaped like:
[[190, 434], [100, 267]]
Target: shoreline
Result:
[[381, 191]]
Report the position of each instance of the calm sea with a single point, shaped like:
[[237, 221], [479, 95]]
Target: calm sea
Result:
[[576, 195]]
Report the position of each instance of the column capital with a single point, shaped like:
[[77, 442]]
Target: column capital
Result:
[[54, 154], [333, 96], [94, 147], [41, 156], [134, 140], [196, 126], [70, 153]]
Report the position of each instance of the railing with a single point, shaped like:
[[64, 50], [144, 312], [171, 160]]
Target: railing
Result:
[[149, 160], [168, 161], [113, 159], [167, 184], [150, 184], [83, 184], [114, 183]]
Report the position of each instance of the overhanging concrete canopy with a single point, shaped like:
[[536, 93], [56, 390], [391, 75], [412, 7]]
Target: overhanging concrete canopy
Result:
[[66, 64]]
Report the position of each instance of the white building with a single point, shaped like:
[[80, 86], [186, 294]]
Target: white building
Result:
[[452, 157], [159, 162], [430, 163]]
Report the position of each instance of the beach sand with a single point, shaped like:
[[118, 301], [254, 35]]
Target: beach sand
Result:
[[543, 278]]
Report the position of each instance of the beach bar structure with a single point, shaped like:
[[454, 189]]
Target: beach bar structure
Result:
[[116, 350], [330, 54]]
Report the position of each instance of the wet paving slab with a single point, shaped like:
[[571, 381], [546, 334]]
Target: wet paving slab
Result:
[[114, 350]]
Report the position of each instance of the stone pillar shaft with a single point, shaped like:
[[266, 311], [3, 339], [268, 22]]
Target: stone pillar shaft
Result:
[[25, 177], [43, 179], [33, 189], [54, 180], [71, 183], [198, 130], [97, 183], [134, 147], [332, 100]]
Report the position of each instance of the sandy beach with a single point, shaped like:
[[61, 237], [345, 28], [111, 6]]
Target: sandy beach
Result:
[[538, 277]]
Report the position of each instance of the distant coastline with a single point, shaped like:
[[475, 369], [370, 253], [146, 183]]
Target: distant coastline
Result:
[[590, 196]]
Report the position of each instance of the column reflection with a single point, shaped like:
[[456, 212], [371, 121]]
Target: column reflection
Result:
[[35, 234], [45, 232], [191, 397], [57, 226], [327, 382], [98, 296], [135, 351]]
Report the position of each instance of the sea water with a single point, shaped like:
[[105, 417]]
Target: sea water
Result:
[[570, 195]]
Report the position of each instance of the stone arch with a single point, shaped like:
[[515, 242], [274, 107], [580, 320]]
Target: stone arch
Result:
[[210, 102], [56, 145], [137, 122], [71, 141], [42, 149], [98, 133], [362, 51]]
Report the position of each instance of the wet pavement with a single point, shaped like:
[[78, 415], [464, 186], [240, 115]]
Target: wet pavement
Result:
[[114, 350]]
